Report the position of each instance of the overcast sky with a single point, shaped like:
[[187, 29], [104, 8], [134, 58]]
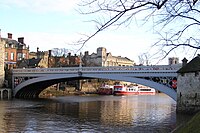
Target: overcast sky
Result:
[[51, 24]]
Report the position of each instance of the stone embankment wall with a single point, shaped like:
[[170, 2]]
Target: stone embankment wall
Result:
[[2, 72], [188, 93]]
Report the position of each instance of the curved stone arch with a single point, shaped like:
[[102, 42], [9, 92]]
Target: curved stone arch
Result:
[[168, 91]]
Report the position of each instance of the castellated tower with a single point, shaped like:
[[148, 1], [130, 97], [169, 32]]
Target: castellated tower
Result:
[[101, 52], [173, 60], [2, 52], [101, 55]]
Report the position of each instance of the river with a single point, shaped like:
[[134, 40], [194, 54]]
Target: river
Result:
[[90, 114]]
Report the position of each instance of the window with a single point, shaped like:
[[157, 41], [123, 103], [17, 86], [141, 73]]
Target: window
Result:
[[6, 55], [12, 56], [19, 56], [24, 56]]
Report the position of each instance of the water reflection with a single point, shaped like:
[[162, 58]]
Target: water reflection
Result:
[[89, 114]]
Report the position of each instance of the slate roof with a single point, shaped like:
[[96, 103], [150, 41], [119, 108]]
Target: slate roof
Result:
[[192, 66], [13, 42], [32, 62], [10, 41], [29, 62]]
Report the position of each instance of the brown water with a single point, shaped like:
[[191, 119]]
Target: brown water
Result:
[[89, 114]]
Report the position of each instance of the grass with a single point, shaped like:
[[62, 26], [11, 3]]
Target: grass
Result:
[[193, 126]]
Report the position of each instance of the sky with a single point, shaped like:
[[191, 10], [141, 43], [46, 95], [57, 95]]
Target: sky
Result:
[[49, 24]]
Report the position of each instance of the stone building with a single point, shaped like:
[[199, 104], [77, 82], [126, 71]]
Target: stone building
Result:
[[2, 51], [173, 60], [102, 58], [188, 92]]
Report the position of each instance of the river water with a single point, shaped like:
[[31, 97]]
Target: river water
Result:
[[90, 114]]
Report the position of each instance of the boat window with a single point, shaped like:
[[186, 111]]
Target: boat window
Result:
[[145, 89]]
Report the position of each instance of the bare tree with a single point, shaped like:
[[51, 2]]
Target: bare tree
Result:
[[144, 59], [176, 21]]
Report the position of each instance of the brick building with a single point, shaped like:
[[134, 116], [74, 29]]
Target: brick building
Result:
[[64, 61], [15, 50], [45, 59]]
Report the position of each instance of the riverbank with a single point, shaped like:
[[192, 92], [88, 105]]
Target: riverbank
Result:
[[192, 126]]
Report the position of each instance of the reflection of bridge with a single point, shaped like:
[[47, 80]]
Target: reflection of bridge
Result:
[[30, 82]]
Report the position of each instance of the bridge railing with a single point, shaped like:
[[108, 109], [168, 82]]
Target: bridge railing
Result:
[[96, 69]]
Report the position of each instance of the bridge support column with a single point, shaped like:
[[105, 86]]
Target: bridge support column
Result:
[[78, 85], [188, 93]]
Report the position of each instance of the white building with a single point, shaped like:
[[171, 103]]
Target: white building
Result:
[[102, 58]]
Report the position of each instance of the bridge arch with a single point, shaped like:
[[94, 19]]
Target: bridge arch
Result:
[[30, 87], [164, 89]]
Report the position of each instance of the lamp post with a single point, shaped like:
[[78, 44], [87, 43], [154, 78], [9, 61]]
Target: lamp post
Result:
[[80, 57]]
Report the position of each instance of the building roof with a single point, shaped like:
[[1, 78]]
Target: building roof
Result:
[[192, 66], [30, 62], [33, 62], [14, 42], [10, 41]]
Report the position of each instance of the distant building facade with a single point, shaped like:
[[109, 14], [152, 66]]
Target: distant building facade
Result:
[[45, 59], [15, 50], [188, 87], [102, 58], [2, 58], [64, 61], [32, 63]]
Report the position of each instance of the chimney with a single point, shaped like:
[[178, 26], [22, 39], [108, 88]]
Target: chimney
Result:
[[86, 53], [10, 35], [69, 54], [21, 40], [49, 53], [184, 62]]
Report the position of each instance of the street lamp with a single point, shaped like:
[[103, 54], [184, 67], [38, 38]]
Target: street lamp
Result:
[[80, 57]]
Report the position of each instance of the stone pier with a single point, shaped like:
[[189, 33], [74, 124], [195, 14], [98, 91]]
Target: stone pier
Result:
[[188, 92], [2, 57], [5, 93]]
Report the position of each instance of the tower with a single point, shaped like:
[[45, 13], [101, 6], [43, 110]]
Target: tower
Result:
[[101, 52], [173, 60]]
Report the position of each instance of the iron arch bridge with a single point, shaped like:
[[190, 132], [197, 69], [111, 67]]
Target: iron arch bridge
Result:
[[29, 82]]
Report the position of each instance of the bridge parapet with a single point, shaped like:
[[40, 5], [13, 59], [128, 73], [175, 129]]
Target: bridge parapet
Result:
[[101, 69]]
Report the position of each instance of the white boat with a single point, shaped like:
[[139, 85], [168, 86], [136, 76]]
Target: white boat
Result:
[[133, 90]]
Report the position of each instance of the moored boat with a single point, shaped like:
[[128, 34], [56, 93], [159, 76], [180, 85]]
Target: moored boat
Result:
[[143, 90], [105, 90], [133, 90]]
